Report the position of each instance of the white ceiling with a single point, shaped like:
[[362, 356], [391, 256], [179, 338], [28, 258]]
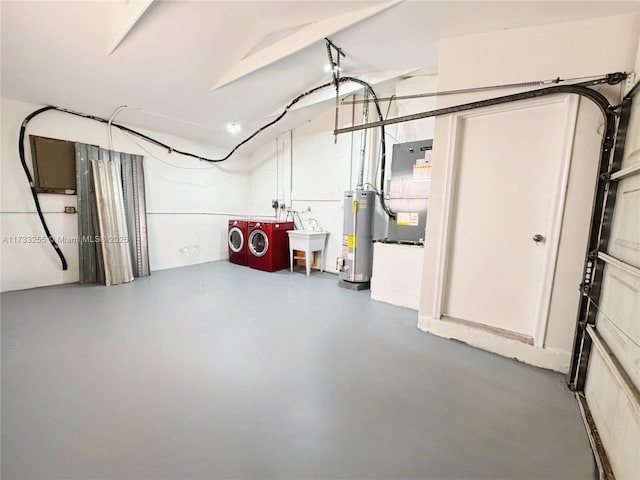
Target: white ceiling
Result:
[[57, 53]]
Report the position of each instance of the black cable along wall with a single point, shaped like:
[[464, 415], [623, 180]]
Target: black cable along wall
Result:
[[157, 142], [579, 89]]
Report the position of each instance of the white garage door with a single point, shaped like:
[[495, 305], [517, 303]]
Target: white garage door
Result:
[[613, 373]]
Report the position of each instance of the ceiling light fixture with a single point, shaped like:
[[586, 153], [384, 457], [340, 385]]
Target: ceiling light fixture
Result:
[[332, 68], [233, 127]]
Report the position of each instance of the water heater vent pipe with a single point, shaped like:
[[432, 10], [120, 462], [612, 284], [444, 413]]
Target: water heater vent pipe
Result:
[[363, 142]]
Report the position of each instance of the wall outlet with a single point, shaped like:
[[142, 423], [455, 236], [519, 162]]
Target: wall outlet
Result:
[[69, 209]]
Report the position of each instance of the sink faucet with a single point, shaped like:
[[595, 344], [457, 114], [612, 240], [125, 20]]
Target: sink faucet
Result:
[[317, 226]]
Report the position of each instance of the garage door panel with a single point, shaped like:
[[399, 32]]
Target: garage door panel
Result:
[[625, 230], [601, 393], [626, 351], [618, 320], [612, 385], [632, 147], [617, 420], [620, 301], [627, 439]]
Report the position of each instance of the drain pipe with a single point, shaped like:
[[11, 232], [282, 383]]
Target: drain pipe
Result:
[[353, 122], [363, 141], [290, 168]]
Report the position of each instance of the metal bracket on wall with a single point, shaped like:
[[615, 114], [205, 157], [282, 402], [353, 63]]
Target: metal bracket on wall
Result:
[[581, 89]]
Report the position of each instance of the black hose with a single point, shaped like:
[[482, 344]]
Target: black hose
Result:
[[383, 148], [34, 194], [154, 141], [580, 89]]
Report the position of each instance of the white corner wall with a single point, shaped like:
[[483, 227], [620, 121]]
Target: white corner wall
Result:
[[187, 206], [591, 47], [397, 274], [309, 173], [306, 170]]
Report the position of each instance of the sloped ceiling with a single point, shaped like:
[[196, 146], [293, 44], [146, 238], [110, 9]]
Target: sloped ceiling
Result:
[[171, 53]]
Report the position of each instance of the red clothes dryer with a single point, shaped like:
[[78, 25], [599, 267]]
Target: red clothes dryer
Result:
[[237, 240], [268, 245]]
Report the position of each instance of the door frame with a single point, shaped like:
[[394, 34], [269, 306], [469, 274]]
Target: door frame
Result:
[[456, 132]]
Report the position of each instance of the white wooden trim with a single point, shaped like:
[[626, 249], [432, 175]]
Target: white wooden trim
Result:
[[446, 216], [549, 358], [302, 38], [558, 203], [129, 14], [560, 191]]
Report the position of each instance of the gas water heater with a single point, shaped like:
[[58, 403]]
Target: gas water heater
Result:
[[354, 267]]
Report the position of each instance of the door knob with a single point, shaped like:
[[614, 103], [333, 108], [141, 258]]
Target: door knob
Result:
[[538, 238]]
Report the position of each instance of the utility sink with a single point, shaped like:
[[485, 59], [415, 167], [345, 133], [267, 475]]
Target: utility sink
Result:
[[308, 241]]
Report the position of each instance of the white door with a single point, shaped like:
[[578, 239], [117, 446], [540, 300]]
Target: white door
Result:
[[503, 234]]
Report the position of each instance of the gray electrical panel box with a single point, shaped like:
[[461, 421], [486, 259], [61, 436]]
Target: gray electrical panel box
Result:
[[409, 189], [357, 238]]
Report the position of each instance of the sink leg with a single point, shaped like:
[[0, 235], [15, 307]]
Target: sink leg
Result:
[[290, 259], [307, 261]]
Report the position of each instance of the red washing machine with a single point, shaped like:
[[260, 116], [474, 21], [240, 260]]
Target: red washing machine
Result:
[[268, 245], [237, 240]]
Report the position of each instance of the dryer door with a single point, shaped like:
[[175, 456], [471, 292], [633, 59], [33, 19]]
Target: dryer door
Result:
[[236, 239], [258, 243]]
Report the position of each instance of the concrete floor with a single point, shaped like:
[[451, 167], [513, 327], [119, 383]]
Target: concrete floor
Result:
[[219, 371]]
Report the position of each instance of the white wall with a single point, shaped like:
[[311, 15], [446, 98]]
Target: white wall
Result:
[[397, 274], [418, 129], [591, 47], [187, 207], [309, 172]]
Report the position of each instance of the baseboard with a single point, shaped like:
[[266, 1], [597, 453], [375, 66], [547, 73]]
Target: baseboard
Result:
[[548, 358], [499, 332], [395, 300]]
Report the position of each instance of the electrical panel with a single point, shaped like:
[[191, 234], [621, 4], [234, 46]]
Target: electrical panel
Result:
[[409, 189]]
